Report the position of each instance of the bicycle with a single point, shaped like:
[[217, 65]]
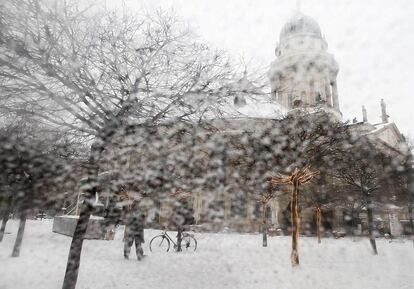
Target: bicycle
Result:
[[163, 241]]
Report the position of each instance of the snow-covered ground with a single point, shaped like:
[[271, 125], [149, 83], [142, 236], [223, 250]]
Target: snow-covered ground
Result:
[[221, 261]]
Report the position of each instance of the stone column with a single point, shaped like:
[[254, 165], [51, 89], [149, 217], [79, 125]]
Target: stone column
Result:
[[328, 93], [165, 212], [274, 206], [338, 219], [335, 101], [364, 114]]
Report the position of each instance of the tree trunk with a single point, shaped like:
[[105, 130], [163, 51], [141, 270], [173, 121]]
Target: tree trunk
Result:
[[73, 263], [295, 223], [4, 222], [264, 225], [410, 187], [353, 221], [410, 218], [72, 266], [371, 226], [19, 237], [318, 223], [179, 238]]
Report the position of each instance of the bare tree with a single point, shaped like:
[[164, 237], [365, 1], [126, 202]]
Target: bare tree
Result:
[[296, 179], [32, 171], [264, 199], [409, 172], [363, 169], [93, 71], [316, 139], [320, 196], [401, 171], [410, 192]]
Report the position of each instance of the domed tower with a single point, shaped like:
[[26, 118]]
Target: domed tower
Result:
[[304, 73]]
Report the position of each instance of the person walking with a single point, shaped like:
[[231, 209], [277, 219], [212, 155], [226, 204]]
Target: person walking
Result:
[[134, 232]]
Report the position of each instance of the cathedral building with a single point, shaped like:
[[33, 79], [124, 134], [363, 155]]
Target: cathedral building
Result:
[[302, 77]]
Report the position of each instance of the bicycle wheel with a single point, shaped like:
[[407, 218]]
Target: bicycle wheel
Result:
[[188, 243], [159, 243]]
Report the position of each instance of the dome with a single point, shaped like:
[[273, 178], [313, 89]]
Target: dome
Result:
[[300, 24]]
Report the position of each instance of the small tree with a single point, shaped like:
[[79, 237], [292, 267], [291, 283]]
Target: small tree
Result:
[[408, 177], [410, 193], [316, 139], [33, 172], [362, 168], [94, 72], [264, 199], [298, 140], [322, 195], [297, 178]]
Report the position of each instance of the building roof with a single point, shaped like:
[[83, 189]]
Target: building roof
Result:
[[300, 23], [385, 135]]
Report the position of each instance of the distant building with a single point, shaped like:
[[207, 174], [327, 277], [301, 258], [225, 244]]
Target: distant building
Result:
[[304, 73], [303, 77]]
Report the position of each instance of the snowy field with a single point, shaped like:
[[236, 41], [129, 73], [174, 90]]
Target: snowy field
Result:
[[221, 261]]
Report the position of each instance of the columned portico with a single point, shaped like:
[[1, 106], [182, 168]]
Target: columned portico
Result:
[[335, 100]]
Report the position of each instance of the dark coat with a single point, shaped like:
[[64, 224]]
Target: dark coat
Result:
[[135, 226]]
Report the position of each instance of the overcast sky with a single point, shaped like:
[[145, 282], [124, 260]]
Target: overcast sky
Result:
[[372, 40]]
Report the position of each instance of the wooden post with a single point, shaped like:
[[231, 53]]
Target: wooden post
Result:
[[318, 223], [264, 224], [264, 200], [295, 223], [371, 226]]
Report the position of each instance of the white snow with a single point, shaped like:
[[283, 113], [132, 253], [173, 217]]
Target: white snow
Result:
[[221, 261]]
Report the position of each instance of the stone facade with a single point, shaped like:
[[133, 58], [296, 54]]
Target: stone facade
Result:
[[303, 76], [304, 73]]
